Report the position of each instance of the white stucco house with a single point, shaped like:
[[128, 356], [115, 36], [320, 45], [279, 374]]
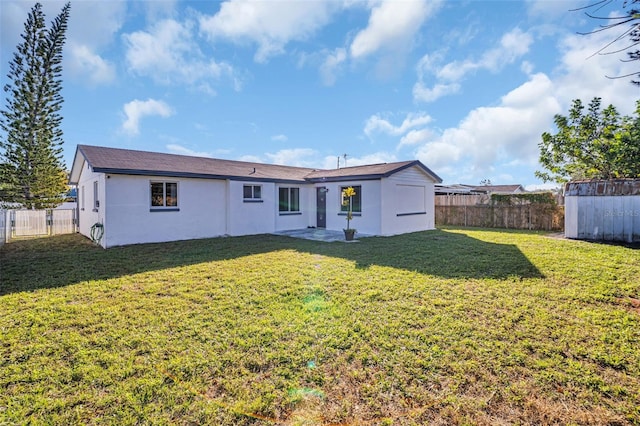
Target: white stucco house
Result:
[[144, 197]]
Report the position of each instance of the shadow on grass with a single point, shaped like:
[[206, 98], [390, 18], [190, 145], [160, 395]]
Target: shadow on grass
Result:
[[69, 259]]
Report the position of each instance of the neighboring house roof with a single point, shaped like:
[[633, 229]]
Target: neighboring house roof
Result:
[[456, 188], [500, 189], [460, 188], [131, 162]]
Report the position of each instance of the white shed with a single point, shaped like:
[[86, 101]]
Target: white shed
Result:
[[602, 210], [142, 197]]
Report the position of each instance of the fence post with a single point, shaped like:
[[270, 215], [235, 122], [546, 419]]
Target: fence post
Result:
[[11, 223]]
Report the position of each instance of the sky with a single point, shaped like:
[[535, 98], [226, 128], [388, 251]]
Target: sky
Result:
[[466, 87]]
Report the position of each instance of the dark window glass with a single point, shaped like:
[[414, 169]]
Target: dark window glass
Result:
[[283, 199], [247, 191], [172, 194], [164, 194], [157, 194], [251, 191], [294, 200], [289, 199]]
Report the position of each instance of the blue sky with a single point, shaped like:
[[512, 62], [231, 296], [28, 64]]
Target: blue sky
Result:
[[466, 87]]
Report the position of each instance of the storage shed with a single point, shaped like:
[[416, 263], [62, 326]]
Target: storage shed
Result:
[[603, 210]]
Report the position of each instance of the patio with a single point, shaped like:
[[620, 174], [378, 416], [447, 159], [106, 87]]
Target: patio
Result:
[[319, 234]]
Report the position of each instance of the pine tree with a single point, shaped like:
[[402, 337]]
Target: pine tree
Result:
[[32, 170]]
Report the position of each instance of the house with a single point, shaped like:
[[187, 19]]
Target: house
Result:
[[144, 197]]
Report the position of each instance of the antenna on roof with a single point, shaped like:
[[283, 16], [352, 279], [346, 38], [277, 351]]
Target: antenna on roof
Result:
[[254, 170], [345, 159], [338, 161]]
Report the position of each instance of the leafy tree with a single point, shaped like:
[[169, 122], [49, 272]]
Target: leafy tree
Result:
[[591, 144], [31, 167], [627, 22]]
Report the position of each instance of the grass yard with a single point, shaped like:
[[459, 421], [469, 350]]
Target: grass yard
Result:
[[455, 326]]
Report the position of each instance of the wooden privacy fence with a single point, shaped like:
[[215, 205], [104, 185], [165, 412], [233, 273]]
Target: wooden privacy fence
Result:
[[533, 217], [34, 223], [534, 211]]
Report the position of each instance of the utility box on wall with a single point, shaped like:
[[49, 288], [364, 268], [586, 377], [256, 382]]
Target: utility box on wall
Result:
[[603, 210]]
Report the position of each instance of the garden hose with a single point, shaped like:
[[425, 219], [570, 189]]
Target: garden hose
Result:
[[97, 231]]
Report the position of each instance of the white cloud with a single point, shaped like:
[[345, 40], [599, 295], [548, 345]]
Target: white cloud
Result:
[[494, 141], [581, 74], [169, 54], [92, 26], [251, 159], [135, 110], [489, 135], [96, 23], [297, 157], [392, 25], [174, 148], [512, 46], [425, 94], [83, 60], [552, 9], [415, 137], [270, 25], [279, 138], [331, 65], [376, 123], [331, 162]]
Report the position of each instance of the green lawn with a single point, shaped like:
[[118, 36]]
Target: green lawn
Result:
[[455, 326]]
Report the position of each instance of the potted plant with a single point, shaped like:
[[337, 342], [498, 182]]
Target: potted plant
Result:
[[347, 195]]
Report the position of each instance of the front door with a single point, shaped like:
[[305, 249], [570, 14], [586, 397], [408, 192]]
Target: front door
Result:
[[321, 207]]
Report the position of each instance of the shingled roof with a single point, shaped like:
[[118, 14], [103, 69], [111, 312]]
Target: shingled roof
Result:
[[131, 162]]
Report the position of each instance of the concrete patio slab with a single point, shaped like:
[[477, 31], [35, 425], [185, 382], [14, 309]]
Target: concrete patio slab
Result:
[[319, 234]]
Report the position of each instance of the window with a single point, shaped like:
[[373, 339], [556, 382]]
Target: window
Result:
[[289, 199], [164, 194], [252, 192], [96, 202], [356, 200]]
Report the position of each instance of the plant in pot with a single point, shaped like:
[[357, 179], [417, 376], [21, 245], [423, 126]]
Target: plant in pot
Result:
[[347, 195]]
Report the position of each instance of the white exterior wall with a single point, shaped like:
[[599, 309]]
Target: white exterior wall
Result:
[[130, 219], [88, 215], [285, 221], [209, 208], [249, 218], [571, 217], [366, 222], [607, 218], [407, 202]]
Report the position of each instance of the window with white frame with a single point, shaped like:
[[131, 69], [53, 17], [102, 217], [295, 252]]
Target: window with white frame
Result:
[[356, 200], [164, 195], [289, 200], [252, 193]]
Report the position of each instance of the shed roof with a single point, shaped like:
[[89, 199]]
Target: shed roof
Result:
[[133, 162]]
